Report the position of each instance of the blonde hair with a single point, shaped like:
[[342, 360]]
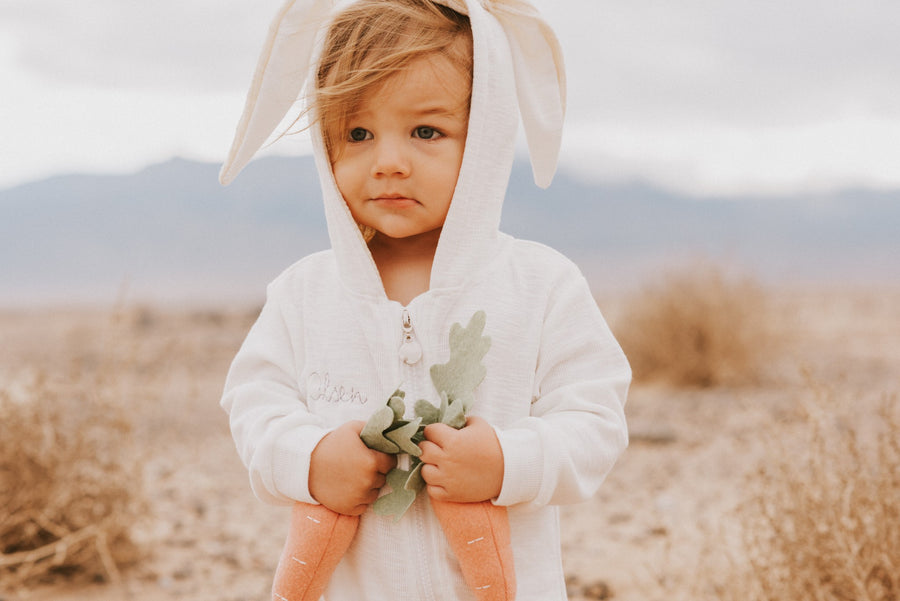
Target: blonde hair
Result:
[[372, 40]]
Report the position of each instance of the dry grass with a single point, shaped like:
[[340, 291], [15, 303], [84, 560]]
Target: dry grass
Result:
[[823, 522], [697, 327], [70, 481]]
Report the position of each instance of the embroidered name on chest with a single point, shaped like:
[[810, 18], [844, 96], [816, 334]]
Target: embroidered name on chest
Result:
[[321, 389]]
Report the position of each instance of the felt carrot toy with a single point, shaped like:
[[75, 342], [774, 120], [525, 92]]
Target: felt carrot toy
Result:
[[317, 540], [478, 533]]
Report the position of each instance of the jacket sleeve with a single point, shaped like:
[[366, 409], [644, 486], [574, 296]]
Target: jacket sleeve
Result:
[[273, 429], [564, 449]]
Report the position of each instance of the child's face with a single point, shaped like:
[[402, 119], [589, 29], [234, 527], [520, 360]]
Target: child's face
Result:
[[403, 149]]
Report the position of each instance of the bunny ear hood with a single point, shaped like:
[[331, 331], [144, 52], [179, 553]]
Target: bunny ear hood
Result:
[[517, 63], [281, 71], [284, 65]]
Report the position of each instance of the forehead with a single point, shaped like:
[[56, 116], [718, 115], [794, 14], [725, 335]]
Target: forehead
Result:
[[431, 84]]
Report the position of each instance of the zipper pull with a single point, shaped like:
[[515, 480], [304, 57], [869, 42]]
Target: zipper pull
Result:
[[410, 349]]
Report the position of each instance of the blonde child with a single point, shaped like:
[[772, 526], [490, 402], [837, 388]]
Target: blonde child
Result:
[[413, 112]]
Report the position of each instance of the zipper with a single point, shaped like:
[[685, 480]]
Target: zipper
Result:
[[410, 354], [410, 350]]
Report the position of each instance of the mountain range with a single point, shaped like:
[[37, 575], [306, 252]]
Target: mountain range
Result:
[[171, 233]]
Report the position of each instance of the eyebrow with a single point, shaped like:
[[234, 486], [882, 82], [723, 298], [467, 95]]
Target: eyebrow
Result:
[[439, 110], [429, 110]]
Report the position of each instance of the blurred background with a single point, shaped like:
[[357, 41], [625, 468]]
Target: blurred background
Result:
[[766, 134], [730, 184]]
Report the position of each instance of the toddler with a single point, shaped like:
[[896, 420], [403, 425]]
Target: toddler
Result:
[[413, 111]]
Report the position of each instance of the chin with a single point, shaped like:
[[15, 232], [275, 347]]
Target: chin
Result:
[[406, 234]]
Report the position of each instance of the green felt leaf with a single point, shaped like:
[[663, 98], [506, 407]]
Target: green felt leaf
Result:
[[373, 432], [428, 413], [397, 405], [455, 415], [402, 436], [400, 499], [463, 372], [414, 481], [455, 381], [444, 404]]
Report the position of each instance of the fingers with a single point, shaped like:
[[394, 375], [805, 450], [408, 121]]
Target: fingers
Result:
[[356, 509], [431, 453], [358, 503], [355, 426], [432, 476], [372, 496], [477, 422], [439, 434], [429, 473], [383, 462], [438, 493]]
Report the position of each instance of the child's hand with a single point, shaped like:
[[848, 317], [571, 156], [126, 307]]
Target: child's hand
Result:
[[465, 466], [344, 474]]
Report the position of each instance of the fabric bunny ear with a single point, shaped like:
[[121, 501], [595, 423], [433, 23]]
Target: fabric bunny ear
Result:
[[284, 65], [280, 73], [540, 81]]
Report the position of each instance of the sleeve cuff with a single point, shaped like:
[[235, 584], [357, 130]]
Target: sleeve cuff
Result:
[[522, 466], [290, 458]]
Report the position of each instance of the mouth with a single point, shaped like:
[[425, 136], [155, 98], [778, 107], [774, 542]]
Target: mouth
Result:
[[394, 200]]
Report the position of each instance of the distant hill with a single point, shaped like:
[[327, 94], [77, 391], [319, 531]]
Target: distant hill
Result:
[[172, 233]]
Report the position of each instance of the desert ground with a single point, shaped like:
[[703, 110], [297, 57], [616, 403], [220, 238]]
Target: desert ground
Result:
[[665, 525]]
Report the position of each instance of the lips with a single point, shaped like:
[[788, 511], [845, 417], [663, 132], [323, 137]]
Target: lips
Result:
[[394, 200]]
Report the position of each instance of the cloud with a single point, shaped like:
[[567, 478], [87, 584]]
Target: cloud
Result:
[[712, 160], [725, 97], [764, 63], [705, 95], [198, 45], [754, 63]]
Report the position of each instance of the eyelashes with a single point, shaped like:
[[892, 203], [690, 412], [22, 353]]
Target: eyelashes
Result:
[[422, 132], [358, 134], [427, 133]]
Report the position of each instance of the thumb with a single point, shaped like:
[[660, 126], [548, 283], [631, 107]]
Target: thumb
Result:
[[439, 434]]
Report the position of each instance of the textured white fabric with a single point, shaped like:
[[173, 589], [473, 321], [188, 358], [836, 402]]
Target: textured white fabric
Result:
[[325, 350], [280, 72], [321, 355], [283, 68]]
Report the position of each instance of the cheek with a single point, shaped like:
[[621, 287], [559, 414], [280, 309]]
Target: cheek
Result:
[[455, 165], [343, 177]]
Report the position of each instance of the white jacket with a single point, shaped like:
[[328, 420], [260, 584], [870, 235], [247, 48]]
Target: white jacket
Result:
[[325, 351]]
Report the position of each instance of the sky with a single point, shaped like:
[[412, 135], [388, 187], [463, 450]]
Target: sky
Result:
[[706, 97]]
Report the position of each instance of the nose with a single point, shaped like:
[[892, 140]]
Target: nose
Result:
[[391, 159]]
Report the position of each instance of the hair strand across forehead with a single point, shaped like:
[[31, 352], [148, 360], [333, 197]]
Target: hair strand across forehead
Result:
[[372, 40]]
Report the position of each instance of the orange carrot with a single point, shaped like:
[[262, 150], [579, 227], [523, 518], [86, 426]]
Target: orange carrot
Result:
[[478, 534], [316, 542]]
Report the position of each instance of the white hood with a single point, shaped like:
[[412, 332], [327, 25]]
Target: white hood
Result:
[[515, 55]]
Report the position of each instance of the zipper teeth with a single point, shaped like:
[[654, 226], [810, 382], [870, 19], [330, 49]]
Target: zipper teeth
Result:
[[412, 376], [426, 581]]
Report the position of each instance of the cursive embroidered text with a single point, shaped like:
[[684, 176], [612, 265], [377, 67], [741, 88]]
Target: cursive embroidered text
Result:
[[321, 388]]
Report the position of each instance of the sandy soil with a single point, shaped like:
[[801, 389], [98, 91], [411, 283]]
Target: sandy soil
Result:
[[663, 522]]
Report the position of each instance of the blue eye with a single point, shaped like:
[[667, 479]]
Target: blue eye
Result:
[[426, 133], [358, 134]]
